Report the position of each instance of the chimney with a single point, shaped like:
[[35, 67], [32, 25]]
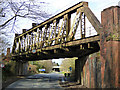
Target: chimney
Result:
[[3, 55], [8, 51]]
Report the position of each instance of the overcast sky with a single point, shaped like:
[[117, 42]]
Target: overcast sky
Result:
[[96, 5]]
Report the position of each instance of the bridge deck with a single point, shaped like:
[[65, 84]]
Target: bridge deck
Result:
[[75, 48]]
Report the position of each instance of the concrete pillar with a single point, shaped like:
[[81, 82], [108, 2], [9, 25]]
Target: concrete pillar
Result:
[[77, 71], [110, 47], [79, 64], [21, 68]]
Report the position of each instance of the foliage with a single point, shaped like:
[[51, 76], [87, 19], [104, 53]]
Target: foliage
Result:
[[8, 70], [66, 64], [4, 42], [32, 69], [43, 64], [48, 65]]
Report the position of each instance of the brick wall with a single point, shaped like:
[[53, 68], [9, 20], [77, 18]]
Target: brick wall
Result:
[[102, 69], [92, 71], [110, 47]]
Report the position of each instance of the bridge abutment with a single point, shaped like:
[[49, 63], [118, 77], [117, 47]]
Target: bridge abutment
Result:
[[88, 70], [102, 69], [79, 64], [110, 47], [21, 68]]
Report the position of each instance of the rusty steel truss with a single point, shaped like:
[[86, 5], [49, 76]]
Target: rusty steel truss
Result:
[[54, 38]]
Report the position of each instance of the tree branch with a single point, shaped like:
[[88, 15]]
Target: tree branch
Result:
[[7, 21]]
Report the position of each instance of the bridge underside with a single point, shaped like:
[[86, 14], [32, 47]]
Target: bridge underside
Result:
[[76, 48]]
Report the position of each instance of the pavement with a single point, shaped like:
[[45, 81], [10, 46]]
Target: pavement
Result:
[[38, 81]]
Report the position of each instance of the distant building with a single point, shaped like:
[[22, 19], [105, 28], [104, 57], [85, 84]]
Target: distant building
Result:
[[56, 68], [7, 57]]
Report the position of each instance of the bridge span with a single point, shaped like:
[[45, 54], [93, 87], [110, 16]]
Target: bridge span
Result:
[[98, 63], [55, 37]]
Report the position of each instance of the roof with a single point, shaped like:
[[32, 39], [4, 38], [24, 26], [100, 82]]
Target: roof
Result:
[[56, 66]]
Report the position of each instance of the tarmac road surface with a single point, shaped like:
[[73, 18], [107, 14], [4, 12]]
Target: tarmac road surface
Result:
[[38, 81]]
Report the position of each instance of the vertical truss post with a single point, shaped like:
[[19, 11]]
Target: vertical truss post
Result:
[[38, 35], [50, 34], [14, 45], [23, 38], [38, 38], [19, 48], [45, 35], [17, 45], [33, 40], [64, 28], [83, 25], [28, 47], [42, 36], [57, 31], [27, 41], [68, 25], [55, 22], [35, 34], [30, 42], [23, 43]]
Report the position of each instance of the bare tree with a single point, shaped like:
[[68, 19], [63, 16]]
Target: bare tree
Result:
[[11, 13], [4, 43]]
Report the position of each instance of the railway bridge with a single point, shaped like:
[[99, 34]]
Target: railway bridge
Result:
[[65, 35]]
